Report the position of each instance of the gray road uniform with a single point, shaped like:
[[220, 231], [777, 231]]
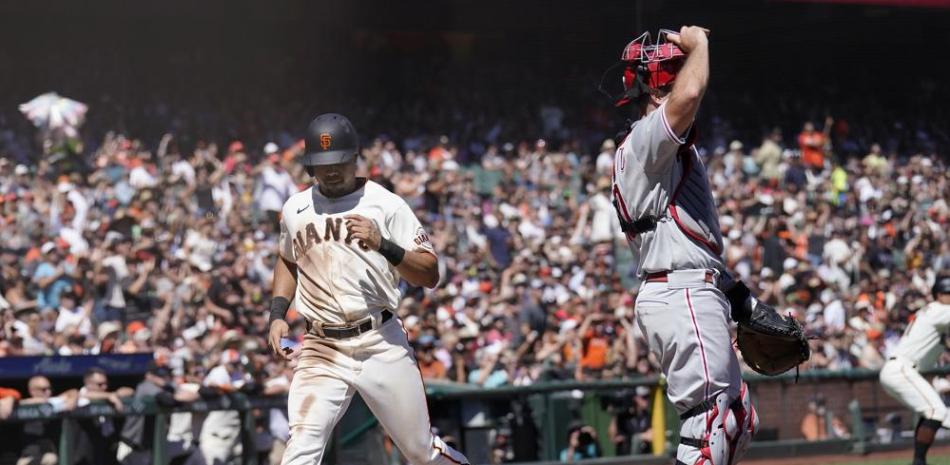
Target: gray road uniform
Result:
[[668, 213]]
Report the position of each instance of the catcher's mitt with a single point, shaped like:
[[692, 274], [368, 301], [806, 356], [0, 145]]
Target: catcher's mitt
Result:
[[770, 343]]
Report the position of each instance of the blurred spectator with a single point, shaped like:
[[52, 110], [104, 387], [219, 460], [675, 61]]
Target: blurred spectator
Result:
[[72, 318], [812, 145], [8, 400], [491, 370], [137, 435], [732, 160], [429, 365], [278, 425], [819, 423], [581, 444], [875, 162], [814, 425], [220, 440], [41, 438], [97, 437], [769, 156], [28, 335], [274, 185], [605, 160], [52, 276], [630, 429]]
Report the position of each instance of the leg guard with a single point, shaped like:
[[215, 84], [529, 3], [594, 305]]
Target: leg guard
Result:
[[718, 431], [747, 423]]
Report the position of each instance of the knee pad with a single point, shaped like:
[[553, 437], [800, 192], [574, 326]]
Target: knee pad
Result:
[[718, 431], [747, 423], [454, 457]]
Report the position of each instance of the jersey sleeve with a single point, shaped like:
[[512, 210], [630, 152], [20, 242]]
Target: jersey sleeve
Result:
[[407, 232], [652, 142], [285, 242]]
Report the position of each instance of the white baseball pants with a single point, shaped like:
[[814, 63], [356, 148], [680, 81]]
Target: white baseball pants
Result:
[[380, 365], [903, 382], [686, 322]]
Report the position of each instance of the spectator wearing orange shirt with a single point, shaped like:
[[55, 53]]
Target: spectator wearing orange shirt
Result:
[[595, 345], [812, 144], [815, 423], [8, 399], [429, 366]]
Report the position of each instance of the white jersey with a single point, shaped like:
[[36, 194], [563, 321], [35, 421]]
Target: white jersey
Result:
[[657, 173], [921, 343], [339, 279]]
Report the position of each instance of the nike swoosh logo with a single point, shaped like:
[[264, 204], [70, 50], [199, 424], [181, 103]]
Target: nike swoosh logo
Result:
[[300, 210]]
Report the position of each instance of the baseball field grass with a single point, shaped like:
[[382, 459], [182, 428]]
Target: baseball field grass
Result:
[[938, 456], [934, 460]]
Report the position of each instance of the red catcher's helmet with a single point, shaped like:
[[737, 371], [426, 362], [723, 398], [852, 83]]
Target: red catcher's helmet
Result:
[[649, 66]]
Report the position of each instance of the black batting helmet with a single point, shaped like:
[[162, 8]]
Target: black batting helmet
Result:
[[331, 139], [941, 285]]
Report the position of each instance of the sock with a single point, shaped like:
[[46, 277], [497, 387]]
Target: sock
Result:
[[923, 438]]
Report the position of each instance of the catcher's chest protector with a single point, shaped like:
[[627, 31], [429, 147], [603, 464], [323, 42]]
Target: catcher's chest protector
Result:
[[690, 204]]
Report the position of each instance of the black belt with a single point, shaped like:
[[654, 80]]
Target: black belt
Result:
[[346, 332], [912, 364]]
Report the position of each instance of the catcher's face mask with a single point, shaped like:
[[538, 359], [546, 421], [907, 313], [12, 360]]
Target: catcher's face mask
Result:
[[647, 67]]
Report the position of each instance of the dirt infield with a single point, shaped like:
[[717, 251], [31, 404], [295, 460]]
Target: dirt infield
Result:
[[907, 454]]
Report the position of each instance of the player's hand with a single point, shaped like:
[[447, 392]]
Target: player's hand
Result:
[[689, 38], [278, 330], [364, 229]]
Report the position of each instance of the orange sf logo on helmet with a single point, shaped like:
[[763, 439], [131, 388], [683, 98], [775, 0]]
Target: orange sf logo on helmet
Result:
[[325, 141]]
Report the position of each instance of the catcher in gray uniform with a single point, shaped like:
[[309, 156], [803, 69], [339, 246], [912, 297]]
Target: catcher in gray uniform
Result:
[[688, 300]]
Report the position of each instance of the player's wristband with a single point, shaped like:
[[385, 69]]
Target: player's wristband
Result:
[[392, 251], [278, 308]]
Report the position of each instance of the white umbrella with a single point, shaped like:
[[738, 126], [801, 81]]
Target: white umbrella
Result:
[[53, 111]]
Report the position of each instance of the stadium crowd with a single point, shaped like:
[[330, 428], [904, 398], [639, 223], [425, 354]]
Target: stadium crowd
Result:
[[170, 251], [135, 240]]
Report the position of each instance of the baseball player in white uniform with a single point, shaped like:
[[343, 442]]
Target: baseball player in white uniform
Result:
[[918, 349], [344, 245], [667, 211]]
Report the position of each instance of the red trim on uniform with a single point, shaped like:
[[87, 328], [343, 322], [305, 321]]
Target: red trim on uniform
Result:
[[623, 210], [622, 203], [669, 129], [702, 350]]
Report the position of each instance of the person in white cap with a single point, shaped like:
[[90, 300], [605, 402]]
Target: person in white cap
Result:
[[274, 186], [605, 161]]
